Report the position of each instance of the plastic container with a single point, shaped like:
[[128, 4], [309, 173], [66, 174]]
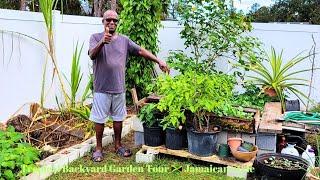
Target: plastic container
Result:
[[309, 155], [153, 136], [268, 172], [223, 150], [176, 139], [202, 144], [290, 150]]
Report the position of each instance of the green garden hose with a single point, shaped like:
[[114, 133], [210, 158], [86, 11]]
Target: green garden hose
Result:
[[303, 117]]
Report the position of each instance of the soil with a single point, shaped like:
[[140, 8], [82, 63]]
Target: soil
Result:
[[283, 163], [56, 129]]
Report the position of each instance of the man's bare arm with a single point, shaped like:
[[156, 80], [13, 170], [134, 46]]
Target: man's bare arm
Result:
[[148, 55], [105, 40], [95, 51]]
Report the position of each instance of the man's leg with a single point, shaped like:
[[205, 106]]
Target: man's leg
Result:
[[99, 113], [117, 128], [119, 113], [99, 133]]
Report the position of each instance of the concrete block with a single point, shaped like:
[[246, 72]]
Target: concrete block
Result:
[[261, 151], [32, 176], [237, 172], [138, 138], [125, 130], [55, 162], [251, 138], [143, 157], [233, 135], [267, 141], [72, 153], [137, 124], [222, 137], [107, 140], [108, 131]]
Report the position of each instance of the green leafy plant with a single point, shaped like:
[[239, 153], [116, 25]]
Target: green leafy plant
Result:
[[149, 115], [47, 7], [280, 76], [252, 97], [17, 157], [140, 20], [75, 75], [229, 110], [198, 93], [211, 29]]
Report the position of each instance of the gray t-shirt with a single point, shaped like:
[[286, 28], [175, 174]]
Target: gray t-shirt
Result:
[[110, 64]]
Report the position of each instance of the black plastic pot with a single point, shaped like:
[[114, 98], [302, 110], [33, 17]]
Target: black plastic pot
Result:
[[262, 169], [202, 144], [293, 105], [153, 136], [176, 139]]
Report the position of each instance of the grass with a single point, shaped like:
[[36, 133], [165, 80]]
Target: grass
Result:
[[163, 167]]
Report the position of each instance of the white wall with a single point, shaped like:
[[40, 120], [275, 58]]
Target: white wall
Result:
[[20, 75]]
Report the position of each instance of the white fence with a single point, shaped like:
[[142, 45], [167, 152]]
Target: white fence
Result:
[[22, 59]]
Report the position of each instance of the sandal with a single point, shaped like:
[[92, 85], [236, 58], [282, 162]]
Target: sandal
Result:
[[124, 152], [97, 156]]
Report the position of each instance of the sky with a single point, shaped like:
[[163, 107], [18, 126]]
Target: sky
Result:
[[245, 5]]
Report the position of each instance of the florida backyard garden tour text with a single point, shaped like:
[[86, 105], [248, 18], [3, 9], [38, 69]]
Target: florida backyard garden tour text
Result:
[[135, 169]]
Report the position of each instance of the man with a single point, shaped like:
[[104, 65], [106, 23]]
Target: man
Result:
[[109, 52]]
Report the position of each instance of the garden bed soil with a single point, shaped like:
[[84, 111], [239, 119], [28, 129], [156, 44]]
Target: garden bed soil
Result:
[[57, 129], [234, 124]]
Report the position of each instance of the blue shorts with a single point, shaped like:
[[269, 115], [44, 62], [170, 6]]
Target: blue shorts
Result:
[[106, 106]]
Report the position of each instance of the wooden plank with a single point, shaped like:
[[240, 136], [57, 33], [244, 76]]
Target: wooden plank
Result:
[[231, 161], [268, 124]]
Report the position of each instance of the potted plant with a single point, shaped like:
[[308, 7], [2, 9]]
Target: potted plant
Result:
[[277, 77], [201, 94], [174, 121], [151, 117]]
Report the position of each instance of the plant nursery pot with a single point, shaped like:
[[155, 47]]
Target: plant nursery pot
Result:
[[269, 171], [176, 139], [223, 150], [153, 136], [234, 143], [202, 144], [270, 92]]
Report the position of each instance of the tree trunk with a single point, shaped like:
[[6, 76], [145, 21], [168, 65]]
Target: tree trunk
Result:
[[23, 5], [114, 5], [100, 11], [96, 8]]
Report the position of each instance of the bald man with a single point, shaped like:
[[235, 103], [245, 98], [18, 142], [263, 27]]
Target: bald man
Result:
[[109, 52]]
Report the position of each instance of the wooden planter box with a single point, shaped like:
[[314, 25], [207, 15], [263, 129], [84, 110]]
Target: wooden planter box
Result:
[[236, 124]]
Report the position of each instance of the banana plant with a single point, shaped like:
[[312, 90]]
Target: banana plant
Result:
[[280, 76]]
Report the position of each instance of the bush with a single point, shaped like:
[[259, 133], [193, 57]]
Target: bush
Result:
[[17, 157]]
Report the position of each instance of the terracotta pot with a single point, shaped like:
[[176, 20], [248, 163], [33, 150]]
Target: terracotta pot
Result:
[[244, 156], [234, 143], [270, 92]]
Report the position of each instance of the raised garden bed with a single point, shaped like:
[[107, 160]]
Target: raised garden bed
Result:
[[234, 124]]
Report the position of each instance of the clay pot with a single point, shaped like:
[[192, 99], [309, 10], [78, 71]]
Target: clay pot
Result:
[[234, 143], [270, 92]]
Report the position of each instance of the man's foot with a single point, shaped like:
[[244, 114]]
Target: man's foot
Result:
[[124, 152], [97, 156]]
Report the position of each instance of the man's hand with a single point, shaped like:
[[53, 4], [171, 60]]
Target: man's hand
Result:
[[107, 36], [163, 66]]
